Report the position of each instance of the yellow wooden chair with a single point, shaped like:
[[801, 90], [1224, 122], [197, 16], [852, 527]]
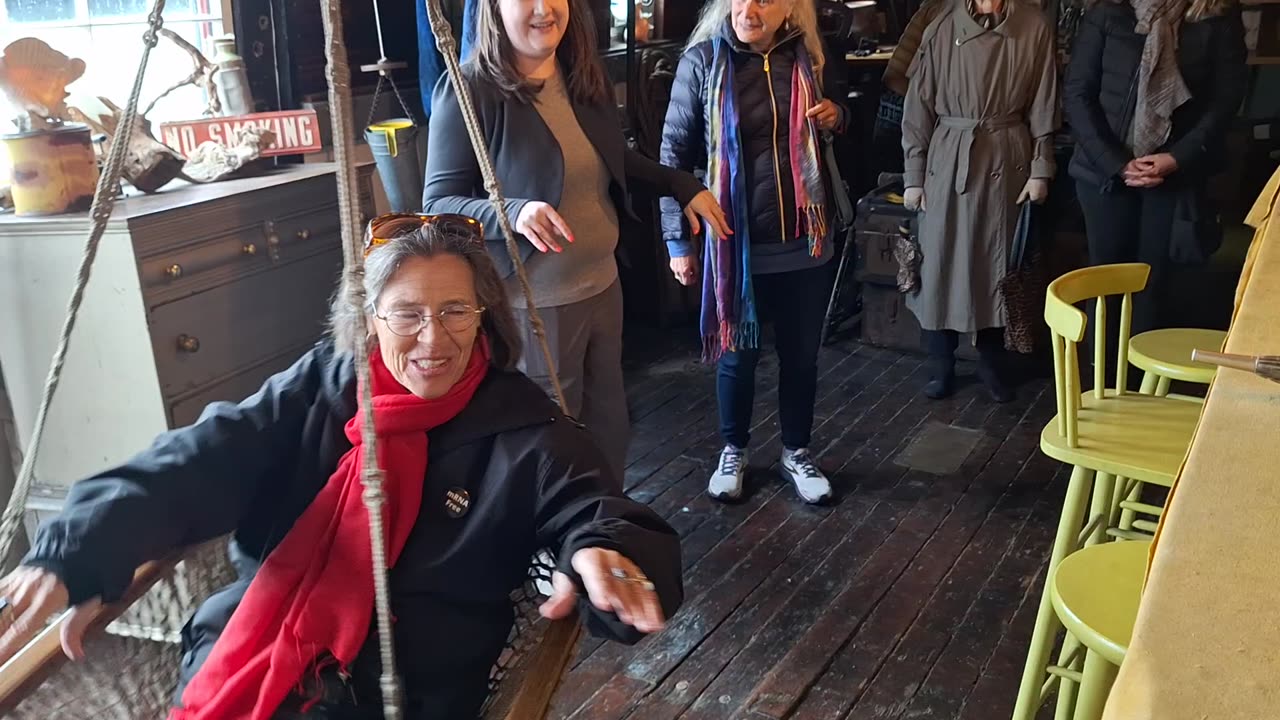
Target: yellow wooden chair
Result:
[[1095, 594], [1104, 433]]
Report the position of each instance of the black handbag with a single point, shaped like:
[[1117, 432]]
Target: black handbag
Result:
[[1196, 233]]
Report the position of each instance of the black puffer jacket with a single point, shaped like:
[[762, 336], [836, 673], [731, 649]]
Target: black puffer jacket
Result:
[[535, 479], [762, 84], [1099, 94]]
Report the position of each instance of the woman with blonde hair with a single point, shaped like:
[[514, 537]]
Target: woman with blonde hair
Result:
[[1150, 92], [747, 106]]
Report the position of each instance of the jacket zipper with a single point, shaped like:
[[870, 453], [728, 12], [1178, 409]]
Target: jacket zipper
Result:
[[777, 167]]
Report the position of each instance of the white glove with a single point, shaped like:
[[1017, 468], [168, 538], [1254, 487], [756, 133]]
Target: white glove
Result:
[[1035, 190], [913, 198]]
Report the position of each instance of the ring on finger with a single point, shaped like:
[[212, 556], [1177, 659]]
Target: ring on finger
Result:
[[640, 580]]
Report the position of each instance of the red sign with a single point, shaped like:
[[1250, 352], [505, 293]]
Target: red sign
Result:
[[297, 132]]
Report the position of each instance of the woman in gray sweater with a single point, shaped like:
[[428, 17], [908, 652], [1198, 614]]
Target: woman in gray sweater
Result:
[[548, 114]]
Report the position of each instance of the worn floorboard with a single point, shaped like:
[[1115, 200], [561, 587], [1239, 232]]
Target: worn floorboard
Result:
[[909, 597]]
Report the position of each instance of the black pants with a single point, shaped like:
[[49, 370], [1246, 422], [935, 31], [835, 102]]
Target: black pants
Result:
[[796, 303], [1129, 225]]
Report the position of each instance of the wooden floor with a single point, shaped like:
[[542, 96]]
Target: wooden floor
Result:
[[912, 596]]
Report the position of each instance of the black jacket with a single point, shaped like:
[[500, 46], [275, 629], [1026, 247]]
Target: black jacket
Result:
[[763, 99], [527, 160], [535, 480], [1099, 93]]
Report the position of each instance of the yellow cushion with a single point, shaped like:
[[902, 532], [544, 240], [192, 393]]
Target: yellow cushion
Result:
[[1095, 592], [1134, 436]]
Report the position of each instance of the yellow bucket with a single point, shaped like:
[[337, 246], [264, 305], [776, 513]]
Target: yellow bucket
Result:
[[53, 171], [388, 128]]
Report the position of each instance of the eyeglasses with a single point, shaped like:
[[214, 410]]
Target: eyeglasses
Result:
[[385, 228], [407, 323]]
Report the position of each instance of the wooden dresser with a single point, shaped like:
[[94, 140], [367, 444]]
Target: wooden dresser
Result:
[[198, 294]]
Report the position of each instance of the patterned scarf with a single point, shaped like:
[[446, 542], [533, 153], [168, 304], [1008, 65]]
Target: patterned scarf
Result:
[[1161, 88], [729, 320]]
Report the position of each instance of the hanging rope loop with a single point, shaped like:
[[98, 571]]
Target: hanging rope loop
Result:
[[104, 200]]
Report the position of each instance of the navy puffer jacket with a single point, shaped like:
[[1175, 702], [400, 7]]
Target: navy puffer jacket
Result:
[[763, 89]]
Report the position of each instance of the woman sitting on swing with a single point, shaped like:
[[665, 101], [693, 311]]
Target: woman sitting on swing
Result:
[[481, 470]]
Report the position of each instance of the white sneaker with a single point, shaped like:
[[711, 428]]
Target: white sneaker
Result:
[[798, 467], [726, 481]]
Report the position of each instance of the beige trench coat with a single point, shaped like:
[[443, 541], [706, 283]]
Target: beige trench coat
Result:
[[978, 121]]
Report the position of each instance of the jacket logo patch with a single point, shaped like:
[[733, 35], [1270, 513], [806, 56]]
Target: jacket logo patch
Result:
[[457, 502]]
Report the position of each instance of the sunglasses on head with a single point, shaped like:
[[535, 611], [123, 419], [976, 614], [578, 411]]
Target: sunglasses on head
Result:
[[385, 228]]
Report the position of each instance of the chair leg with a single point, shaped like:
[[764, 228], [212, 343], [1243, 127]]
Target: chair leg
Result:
[[1162, 387], [1128, 516], [1047, 623], [1064, 708], [1095, 686], [1149, 383], [1100, 508]]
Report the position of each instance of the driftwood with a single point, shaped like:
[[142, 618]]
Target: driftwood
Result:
[[201, 76], [148, 164]]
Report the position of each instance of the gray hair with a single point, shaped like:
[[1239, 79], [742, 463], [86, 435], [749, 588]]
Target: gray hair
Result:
[[803, 16], [349, 325]]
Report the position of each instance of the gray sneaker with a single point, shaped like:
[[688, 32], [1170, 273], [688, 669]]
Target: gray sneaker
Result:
[[811, 485], [726, 481]]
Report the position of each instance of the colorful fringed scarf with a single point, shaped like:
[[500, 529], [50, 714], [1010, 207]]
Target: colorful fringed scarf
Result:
[[729, 321]]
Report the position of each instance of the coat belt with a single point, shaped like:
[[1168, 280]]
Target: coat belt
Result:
[[969, 128]]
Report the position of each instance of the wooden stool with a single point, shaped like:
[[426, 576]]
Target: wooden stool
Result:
[[1095, 594], [1165, 355]]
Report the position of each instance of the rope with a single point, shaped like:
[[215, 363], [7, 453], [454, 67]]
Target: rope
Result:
[[449, 49], [104, 200], [339, 76]]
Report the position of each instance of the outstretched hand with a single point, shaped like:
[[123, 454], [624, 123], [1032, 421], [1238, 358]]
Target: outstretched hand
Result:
[[613, 584], [32, 596], [705, 206]]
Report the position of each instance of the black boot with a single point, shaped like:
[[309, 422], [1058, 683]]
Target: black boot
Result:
[[993, 366], [942, 362]]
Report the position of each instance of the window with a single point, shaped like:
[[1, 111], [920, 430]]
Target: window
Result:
[[107, 35]]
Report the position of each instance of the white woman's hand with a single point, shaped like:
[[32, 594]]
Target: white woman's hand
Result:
[[33, 595], [542, 225], [704, 205], [685, 269], [1036, 190], [913, 198], [825, 113], [613, 584]]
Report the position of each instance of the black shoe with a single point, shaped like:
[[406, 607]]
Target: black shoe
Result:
[[940, 386], [997, 388], [993, 363]]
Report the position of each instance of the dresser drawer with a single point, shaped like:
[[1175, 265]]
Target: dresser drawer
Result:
[[214, 334], [242, 252], [209, 244], [187, 410]]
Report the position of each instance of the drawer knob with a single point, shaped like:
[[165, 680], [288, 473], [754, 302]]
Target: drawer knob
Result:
[[249, 249], [188, 343], [174, 271], [304, 234]]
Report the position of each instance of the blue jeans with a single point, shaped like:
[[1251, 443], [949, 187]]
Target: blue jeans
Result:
[[796, 303]]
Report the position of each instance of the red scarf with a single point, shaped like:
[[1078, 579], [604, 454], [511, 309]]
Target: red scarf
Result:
[[313, 596]]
